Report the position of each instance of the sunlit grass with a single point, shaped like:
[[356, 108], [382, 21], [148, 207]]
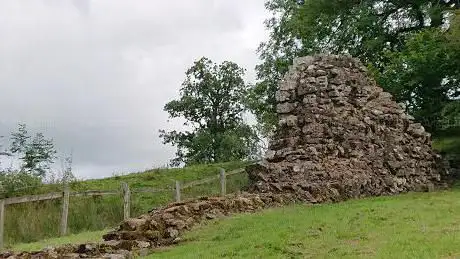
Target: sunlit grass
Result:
[[418, 225], [95, 236]]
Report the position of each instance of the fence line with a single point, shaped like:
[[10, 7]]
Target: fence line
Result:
[[65, 210], [210, 179], [150, 190], [124, 191]]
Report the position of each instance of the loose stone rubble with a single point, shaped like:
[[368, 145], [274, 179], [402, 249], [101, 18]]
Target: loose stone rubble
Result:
[[341, 136], [164, 226], [161, 227]]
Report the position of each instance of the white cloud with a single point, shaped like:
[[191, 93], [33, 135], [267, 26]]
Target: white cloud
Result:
[[95, 75]]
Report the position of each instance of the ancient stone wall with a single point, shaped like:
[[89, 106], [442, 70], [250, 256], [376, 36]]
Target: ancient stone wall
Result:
[[341, 136]]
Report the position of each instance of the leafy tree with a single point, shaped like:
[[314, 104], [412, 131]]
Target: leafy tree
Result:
[[211, 102], [424, 74], [375, 31], [451, 116], [36, 154], [15, 183]]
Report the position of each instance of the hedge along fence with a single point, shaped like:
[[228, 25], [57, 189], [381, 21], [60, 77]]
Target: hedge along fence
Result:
[[76, 211]]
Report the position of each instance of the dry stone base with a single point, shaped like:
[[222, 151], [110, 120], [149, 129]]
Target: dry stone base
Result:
[[341, 136], [160, 227], [164, 226]]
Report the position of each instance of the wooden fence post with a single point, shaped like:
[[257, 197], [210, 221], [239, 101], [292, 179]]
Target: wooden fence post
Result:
[[177, 191], [65, 210], [2, 221], [126, 200], [223, 184]]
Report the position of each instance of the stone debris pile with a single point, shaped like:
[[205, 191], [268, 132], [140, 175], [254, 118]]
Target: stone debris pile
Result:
[[164, 226], [341, 136], [161, 227]]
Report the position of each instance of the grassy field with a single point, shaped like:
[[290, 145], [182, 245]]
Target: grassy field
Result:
[[417, 225], [94, 236], [25, 223], [37, 221]]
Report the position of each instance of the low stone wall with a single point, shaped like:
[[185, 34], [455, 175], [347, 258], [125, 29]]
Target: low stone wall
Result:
[[160, 227]]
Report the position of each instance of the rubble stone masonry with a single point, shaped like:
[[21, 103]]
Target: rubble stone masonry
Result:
[[341, 136]]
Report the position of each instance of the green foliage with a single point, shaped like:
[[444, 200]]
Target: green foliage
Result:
[[450, 115], [15, 183], [424, 74], [380, 33], [36, 154], [418, 225], [212, 104], [448, 145]]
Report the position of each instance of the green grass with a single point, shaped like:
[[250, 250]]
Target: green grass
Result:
[[95, 236], [417, 225], [30, 222]]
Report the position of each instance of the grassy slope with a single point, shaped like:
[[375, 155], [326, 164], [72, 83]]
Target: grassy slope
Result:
[[418, 225], [36, 221], [93, 236]]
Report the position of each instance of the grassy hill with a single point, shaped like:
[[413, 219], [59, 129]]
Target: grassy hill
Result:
[[416, 225], [31, 222]]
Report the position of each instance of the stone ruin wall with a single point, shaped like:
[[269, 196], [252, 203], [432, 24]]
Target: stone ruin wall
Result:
[[341, 136]]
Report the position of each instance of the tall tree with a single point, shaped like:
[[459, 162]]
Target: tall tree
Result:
[[37, 153], [370, 30], [425, 75], [211, 102]]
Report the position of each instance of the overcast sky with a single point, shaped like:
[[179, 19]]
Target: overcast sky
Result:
[[95, 74]]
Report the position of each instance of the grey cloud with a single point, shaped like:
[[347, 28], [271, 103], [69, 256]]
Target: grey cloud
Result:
[[95, 75], [82, 5]]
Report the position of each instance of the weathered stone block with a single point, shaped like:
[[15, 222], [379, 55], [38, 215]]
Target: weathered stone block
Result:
[[306, 89], [284, 108], [310, 99], [322, 82], [287, 85], [354, 139], [284, 96]]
